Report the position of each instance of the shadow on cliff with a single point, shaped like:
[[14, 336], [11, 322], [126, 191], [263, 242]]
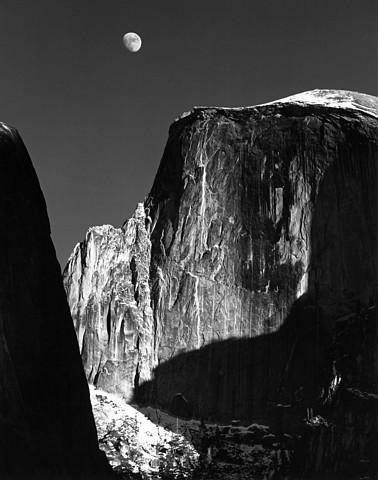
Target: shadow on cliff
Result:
[[329, 333], [245, 378]]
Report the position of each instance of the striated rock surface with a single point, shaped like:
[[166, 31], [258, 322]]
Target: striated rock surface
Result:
[[107, 280], [260, 236], [47, 429]]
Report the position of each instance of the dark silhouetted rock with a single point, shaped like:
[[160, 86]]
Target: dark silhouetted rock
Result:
[[180, 406], [47, 429]]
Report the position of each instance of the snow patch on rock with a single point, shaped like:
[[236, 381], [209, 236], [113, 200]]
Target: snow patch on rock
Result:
[[340, 99], [333, 99], [134, 444]]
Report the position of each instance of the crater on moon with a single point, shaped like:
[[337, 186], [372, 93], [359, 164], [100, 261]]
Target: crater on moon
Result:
[[132, 42]]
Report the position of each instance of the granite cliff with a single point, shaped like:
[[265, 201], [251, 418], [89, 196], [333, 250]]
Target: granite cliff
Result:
[[245, 278], [108, 283], [47, 429]]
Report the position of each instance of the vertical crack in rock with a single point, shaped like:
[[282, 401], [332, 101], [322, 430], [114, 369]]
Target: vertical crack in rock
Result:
[[109, 321], [134, 278]]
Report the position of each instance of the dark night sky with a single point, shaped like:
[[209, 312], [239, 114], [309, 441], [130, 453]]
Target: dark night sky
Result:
[[95, 117]]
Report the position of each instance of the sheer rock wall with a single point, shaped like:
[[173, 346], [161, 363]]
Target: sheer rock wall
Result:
[[259, 232]]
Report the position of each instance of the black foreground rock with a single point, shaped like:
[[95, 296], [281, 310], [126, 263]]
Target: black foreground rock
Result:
[[47, 429], [246, 283]]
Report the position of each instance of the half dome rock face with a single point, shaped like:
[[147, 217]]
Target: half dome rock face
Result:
[[46, 424], [258, 235], [262, 221]]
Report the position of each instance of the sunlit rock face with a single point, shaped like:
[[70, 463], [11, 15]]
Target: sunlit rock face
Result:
[[258, 234], [107, 283], [47, 429], [262, 221], [231, 212]]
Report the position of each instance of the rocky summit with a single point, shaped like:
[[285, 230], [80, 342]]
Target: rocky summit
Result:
[[244, 286], [108, 283], [47, 430]]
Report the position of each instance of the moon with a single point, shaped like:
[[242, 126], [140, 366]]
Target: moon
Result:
[[132, 42]]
